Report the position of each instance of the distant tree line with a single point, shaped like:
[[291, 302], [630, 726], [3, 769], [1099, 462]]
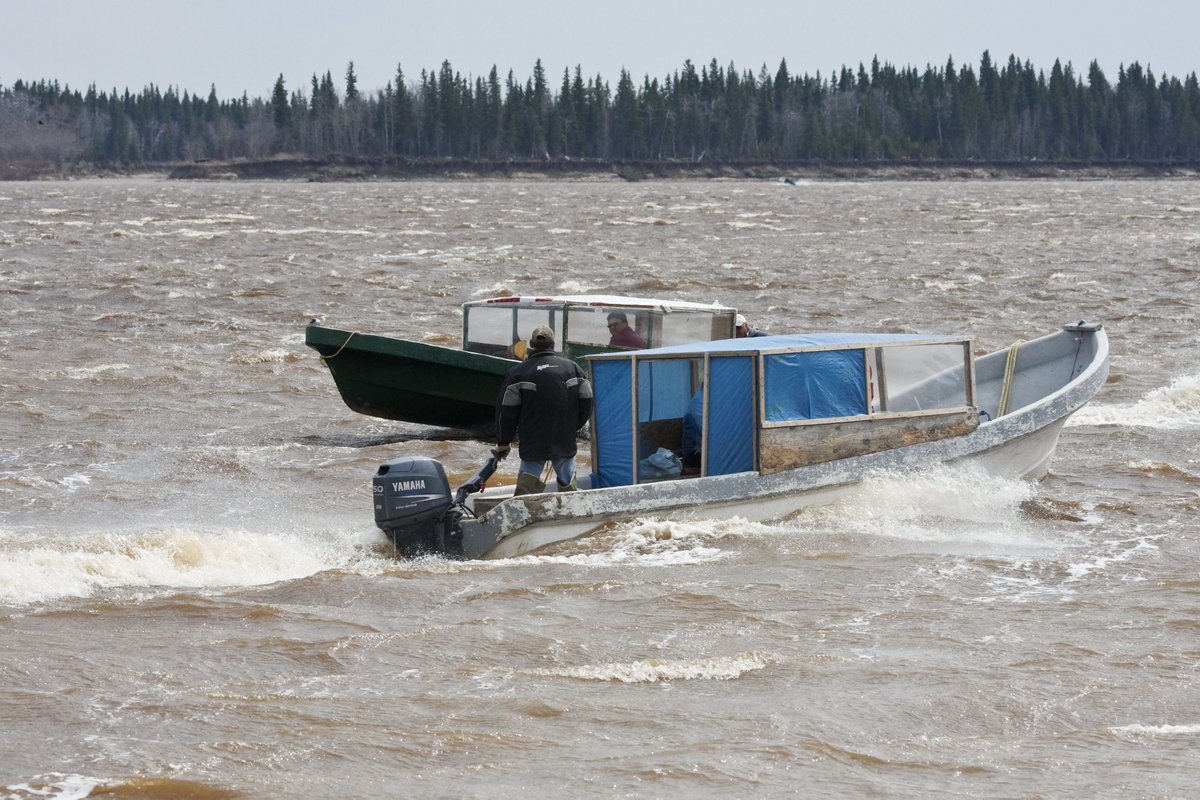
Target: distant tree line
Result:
[[1001, 113]]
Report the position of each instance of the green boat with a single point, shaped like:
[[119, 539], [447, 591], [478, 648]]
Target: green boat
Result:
[[409, 381]]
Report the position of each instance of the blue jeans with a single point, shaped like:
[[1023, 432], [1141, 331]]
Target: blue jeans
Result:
[[564, 469]]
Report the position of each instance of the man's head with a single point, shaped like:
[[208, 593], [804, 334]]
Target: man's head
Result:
[[617, 320], [542, 338], [741, 328]]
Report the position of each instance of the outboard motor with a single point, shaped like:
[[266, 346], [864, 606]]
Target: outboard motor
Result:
[[414, 507]]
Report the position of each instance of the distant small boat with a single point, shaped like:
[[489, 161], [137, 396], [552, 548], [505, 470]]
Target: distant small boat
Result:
[[786, 422], [411, 381]]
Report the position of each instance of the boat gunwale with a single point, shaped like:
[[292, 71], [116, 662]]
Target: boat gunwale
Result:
[[389, 345]]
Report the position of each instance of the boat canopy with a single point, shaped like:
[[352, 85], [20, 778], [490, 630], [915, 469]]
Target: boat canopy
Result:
[[768, 403], [499, 326]]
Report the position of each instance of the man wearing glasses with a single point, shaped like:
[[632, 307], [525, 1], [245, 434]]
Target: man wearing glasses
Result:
[[622, 335]]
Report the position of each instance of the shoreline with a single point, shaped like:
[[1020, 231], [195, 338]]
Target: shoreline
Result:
[[376, 169]]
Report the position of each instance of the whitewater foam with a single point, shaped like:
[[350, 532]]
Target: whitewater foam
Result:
[[55, 785], [649, 542], [1157, 730], [38, 570], [958, 504], [1172, 407], [656, 670]]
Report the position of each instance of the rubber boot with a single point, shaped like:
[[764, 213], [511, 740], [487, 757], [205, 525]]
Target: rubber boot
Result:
[[570, 487], [528, 484]]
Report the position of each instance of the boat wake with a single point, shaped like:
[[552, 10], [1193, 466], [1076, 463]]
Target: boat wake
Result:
[[948, 505], [646, 542], [946, 508], [958, 508], [40, 570]]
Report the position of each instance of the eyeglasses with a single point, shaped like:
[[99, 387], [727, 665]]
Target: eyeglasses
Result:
[[614, 324]]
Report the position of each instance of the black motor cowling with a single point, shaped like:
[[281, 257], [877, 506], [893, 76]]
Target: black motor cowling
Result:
[[414, 507]]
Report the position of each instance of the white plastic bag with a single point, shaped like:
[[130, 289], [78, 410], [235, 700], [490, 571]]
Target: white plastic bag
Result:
[[660, 464]]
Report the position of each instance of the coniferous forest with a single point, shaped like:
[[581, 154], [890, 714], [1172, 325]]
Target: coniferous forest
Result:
[[996, 113]]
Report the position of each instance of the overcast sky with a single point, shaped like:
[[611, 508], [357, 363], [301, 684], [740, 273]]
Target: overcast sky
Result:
[[244, 45]]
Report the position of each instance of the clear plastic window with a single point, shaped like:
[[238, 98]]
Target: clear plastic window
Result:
[[530, 318], [683, 327], [495, 329], [488, 328], [922, 377], [611, 328]]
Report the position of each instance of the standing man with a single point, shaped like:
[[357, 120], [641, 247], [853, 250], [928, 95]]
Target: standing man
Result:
[[545, 399]]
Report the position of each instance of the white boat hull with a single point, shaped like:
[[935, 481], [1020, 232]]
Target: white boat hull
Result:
[[1018, 445]]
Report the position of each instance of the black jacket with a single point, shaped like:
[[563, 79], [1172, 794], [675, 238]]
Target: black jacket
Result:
[[546, 399]]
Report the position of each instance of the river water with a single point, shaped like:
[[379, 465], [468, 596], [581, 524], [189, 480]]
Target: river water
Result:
[[194, 601]]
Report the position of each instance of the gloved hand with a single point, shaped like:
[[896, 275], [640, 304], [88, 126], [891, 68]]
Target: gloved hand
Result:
[[501, 451]]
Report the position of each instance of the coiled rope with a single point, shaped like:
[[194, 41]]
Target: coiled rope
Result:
[[1010, 367]]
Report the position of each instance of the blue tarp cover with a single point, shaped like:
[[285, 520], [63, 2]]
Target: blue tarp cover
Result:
[[664, 388], [613, 418], [814, 385], [731, 417]]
